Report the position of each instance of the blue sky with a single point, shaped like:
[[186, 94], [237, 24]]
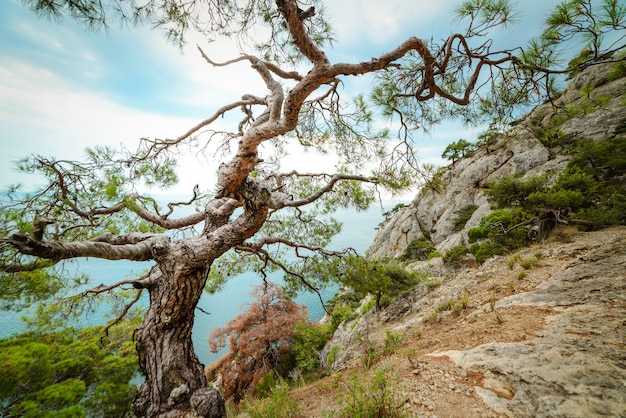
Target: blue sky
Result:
[[63, 88]]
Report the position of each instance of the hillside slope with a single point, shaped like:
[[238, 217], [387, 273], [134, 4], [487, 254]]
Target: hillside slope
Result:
[[539, 333]]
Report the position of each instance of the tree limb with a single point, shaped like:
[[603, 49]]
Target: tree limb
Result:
[[281, 200], [136, 247], [261, 253], [293, 75]]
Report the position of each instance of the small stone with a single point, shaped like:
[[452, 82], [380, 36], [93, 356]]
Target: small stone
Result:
[[503, 393]]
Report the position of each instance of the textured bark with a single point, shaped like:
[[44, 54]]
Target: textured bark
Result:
[[166, 356], [175, 381]]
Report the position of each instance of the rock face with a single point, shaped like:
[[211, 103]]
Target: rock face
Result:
[[575, 367], [433, 213], [545, 340]]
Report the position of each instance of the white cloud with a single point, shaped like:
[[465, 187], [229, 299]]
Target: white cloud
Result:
[[376, 22], [42, 113]]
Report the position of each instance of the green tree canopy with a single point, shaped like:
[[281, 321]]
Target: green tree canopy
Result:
[[68, 373]]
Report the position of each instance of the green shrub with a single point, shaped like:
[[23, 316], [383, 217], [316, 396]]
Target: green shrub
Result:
[[478, 233], [278, 404], [392, 342], [435, 254], [529, 262], [462, 216], [372, 397], [310, 339], [486, 250], [445, 306], [436, 178], [591, 188], [339, 314], [68, 372], [513, 191], [332, 355], [265, 386], [556, 198], [455, 256], [418, 249], [432, 285], [378, 277], [617, 71], [457, 150]]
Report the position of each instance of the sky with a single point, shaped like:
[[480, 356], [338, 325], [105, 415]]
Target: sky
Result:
[[63, 88]]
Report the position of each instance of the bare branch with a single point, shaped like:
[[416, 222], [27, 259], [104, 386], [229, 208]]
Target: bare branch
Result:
[[294, 21], [121, 316], [19, 267], [257, 245], [267, 258], [101, 288], [281, 200], [293, 75]]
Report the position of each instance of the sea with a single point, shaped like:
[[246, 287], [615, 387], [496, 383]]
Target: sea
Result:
[[215, 310]]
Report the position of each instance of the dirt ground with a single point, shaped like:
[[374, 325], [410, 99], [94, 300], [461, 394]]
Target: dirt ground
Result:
[[430, 385]]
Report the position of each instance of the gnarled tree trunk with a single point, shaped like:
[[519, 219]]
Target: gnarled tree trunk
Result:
[[175, 381]]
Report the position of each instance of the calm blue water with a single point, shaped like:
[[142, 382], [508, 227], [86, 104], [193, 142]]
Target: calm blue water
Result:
[[358, 233]]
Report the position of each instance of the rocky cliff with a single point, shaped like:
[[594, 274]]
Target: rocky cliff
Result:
[[538, 332], [592, 107]]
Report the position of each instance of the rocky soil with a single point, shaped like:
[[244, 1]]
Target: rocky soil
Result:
[[539, 333]]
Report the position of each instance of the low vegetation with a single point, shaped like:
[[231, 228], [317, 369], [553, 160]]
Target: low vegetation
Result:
[[590, 192], [68, 373]]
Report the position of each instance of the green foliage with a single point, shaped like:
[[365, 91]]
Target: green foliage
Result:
[[332, 354], [392, 342], [434, 178], [455, 256], [457, 306], [555, 198], [590, 188], [618, 70], [552, 136], [462, 216], [68, 373], [418, 249], [498, 234], [277, 404], [458, 150], [487, 138], [371, 398], [478, 233], [309, 341], [23, 289], [377, 277], [513, 191], [265, 386], [587, 22], [340, 314], [597, 173], [486, 250]]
